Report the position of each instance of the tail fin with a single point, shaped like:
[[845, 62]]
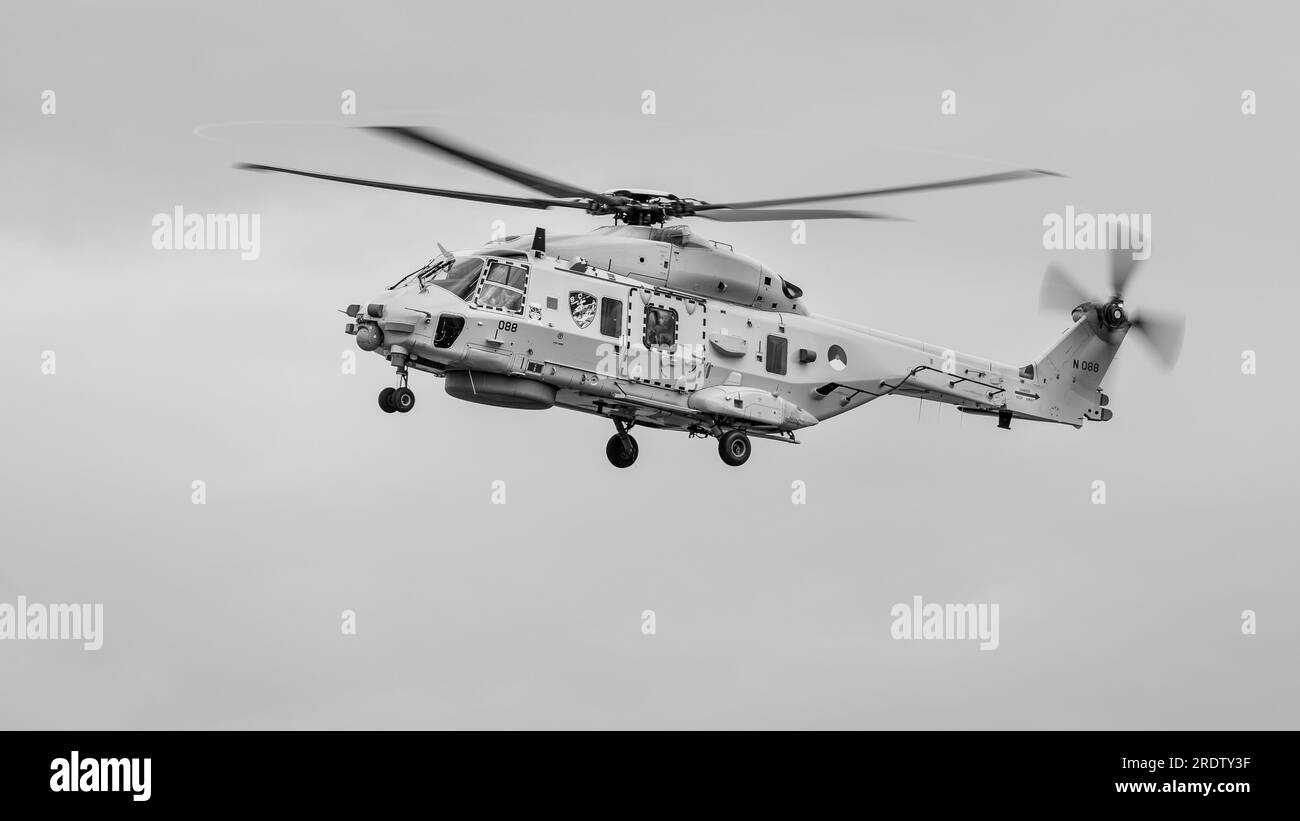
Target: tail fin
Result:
[[1071, 371]]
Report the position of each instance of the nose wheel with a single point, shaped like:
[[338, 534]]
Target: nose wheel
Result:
[[397, 400]]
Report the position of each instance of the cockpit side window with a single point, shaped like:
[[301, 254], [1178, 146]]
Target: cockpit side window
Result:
[[512, 276], [503, 288]]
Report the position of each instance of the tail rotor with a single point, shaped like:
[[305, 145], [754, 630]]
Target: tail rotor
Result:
[[1161, 332]]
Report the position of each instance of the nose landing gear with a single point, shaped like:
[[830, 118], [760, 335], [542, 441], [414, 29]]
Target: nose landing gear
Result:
[[400, 399], [404, 399]]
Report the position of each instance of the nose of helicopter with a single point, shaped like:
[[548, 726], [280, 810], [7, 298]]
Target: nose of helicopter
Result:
[[391, 318]]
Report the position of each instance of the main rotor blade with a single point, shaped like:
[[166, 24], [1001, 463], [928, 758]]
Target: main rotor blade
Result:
[[757, 215], [529, 179], [1122, 266], [1163, 333], [1059, 291], [985, 179], [416, 189]]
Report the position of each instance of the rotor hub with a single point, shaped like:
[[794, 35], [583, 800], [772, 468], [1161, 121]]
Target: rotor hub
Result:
[[638, 206], [1113, 315]]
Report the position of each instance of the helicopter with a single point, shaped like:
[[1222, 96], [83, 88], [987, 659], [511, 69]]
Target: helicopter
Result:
[[652, 325]]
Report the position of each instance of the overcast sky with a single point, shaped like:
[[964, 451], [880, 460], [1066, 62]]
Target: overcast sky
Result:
[[176, 366]]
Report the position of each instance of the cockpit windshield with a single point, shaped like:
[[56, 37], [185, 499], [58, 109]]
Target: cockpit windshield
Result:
[[459, 276]]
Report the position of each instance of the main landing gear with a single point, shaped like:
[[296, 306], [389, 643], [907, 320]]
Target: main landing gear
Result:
[[621, 449], [734, 447], [400, 399]]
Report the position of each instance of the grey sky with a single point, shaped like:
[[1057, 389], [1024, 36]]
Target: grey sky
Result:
[[176, 366]]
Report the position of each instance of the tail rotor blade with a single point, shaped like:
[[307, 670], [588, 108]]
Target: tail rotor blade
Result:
[[1122, 266], [1060, 292], [1163, 333]]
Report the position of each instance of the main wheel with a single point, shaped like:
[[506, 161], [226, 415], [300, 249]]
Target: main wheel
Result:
[[734, 447], [404, 400], [621, 450], [386, 400]]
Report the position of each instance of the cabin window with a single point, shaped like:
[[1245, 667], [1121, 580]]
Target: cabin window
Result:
[[776, 351], [582, 307], [837, 358], [660, 327], [503, 288], [611, 317]]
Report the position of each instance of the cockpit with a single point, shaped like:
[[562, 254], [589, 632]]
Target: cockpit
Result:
[[460, 276]]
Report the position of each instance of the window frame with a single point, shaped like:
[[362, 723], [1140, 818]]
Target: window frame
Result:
[[483, 283]]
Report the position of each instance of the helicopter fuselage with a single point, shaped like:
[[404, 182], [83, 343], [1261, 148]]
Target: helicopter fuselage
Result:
[[528, 329]]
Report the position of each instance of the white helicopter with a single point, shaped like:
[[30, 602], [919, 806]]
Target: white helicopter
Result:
[[652, 325]]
